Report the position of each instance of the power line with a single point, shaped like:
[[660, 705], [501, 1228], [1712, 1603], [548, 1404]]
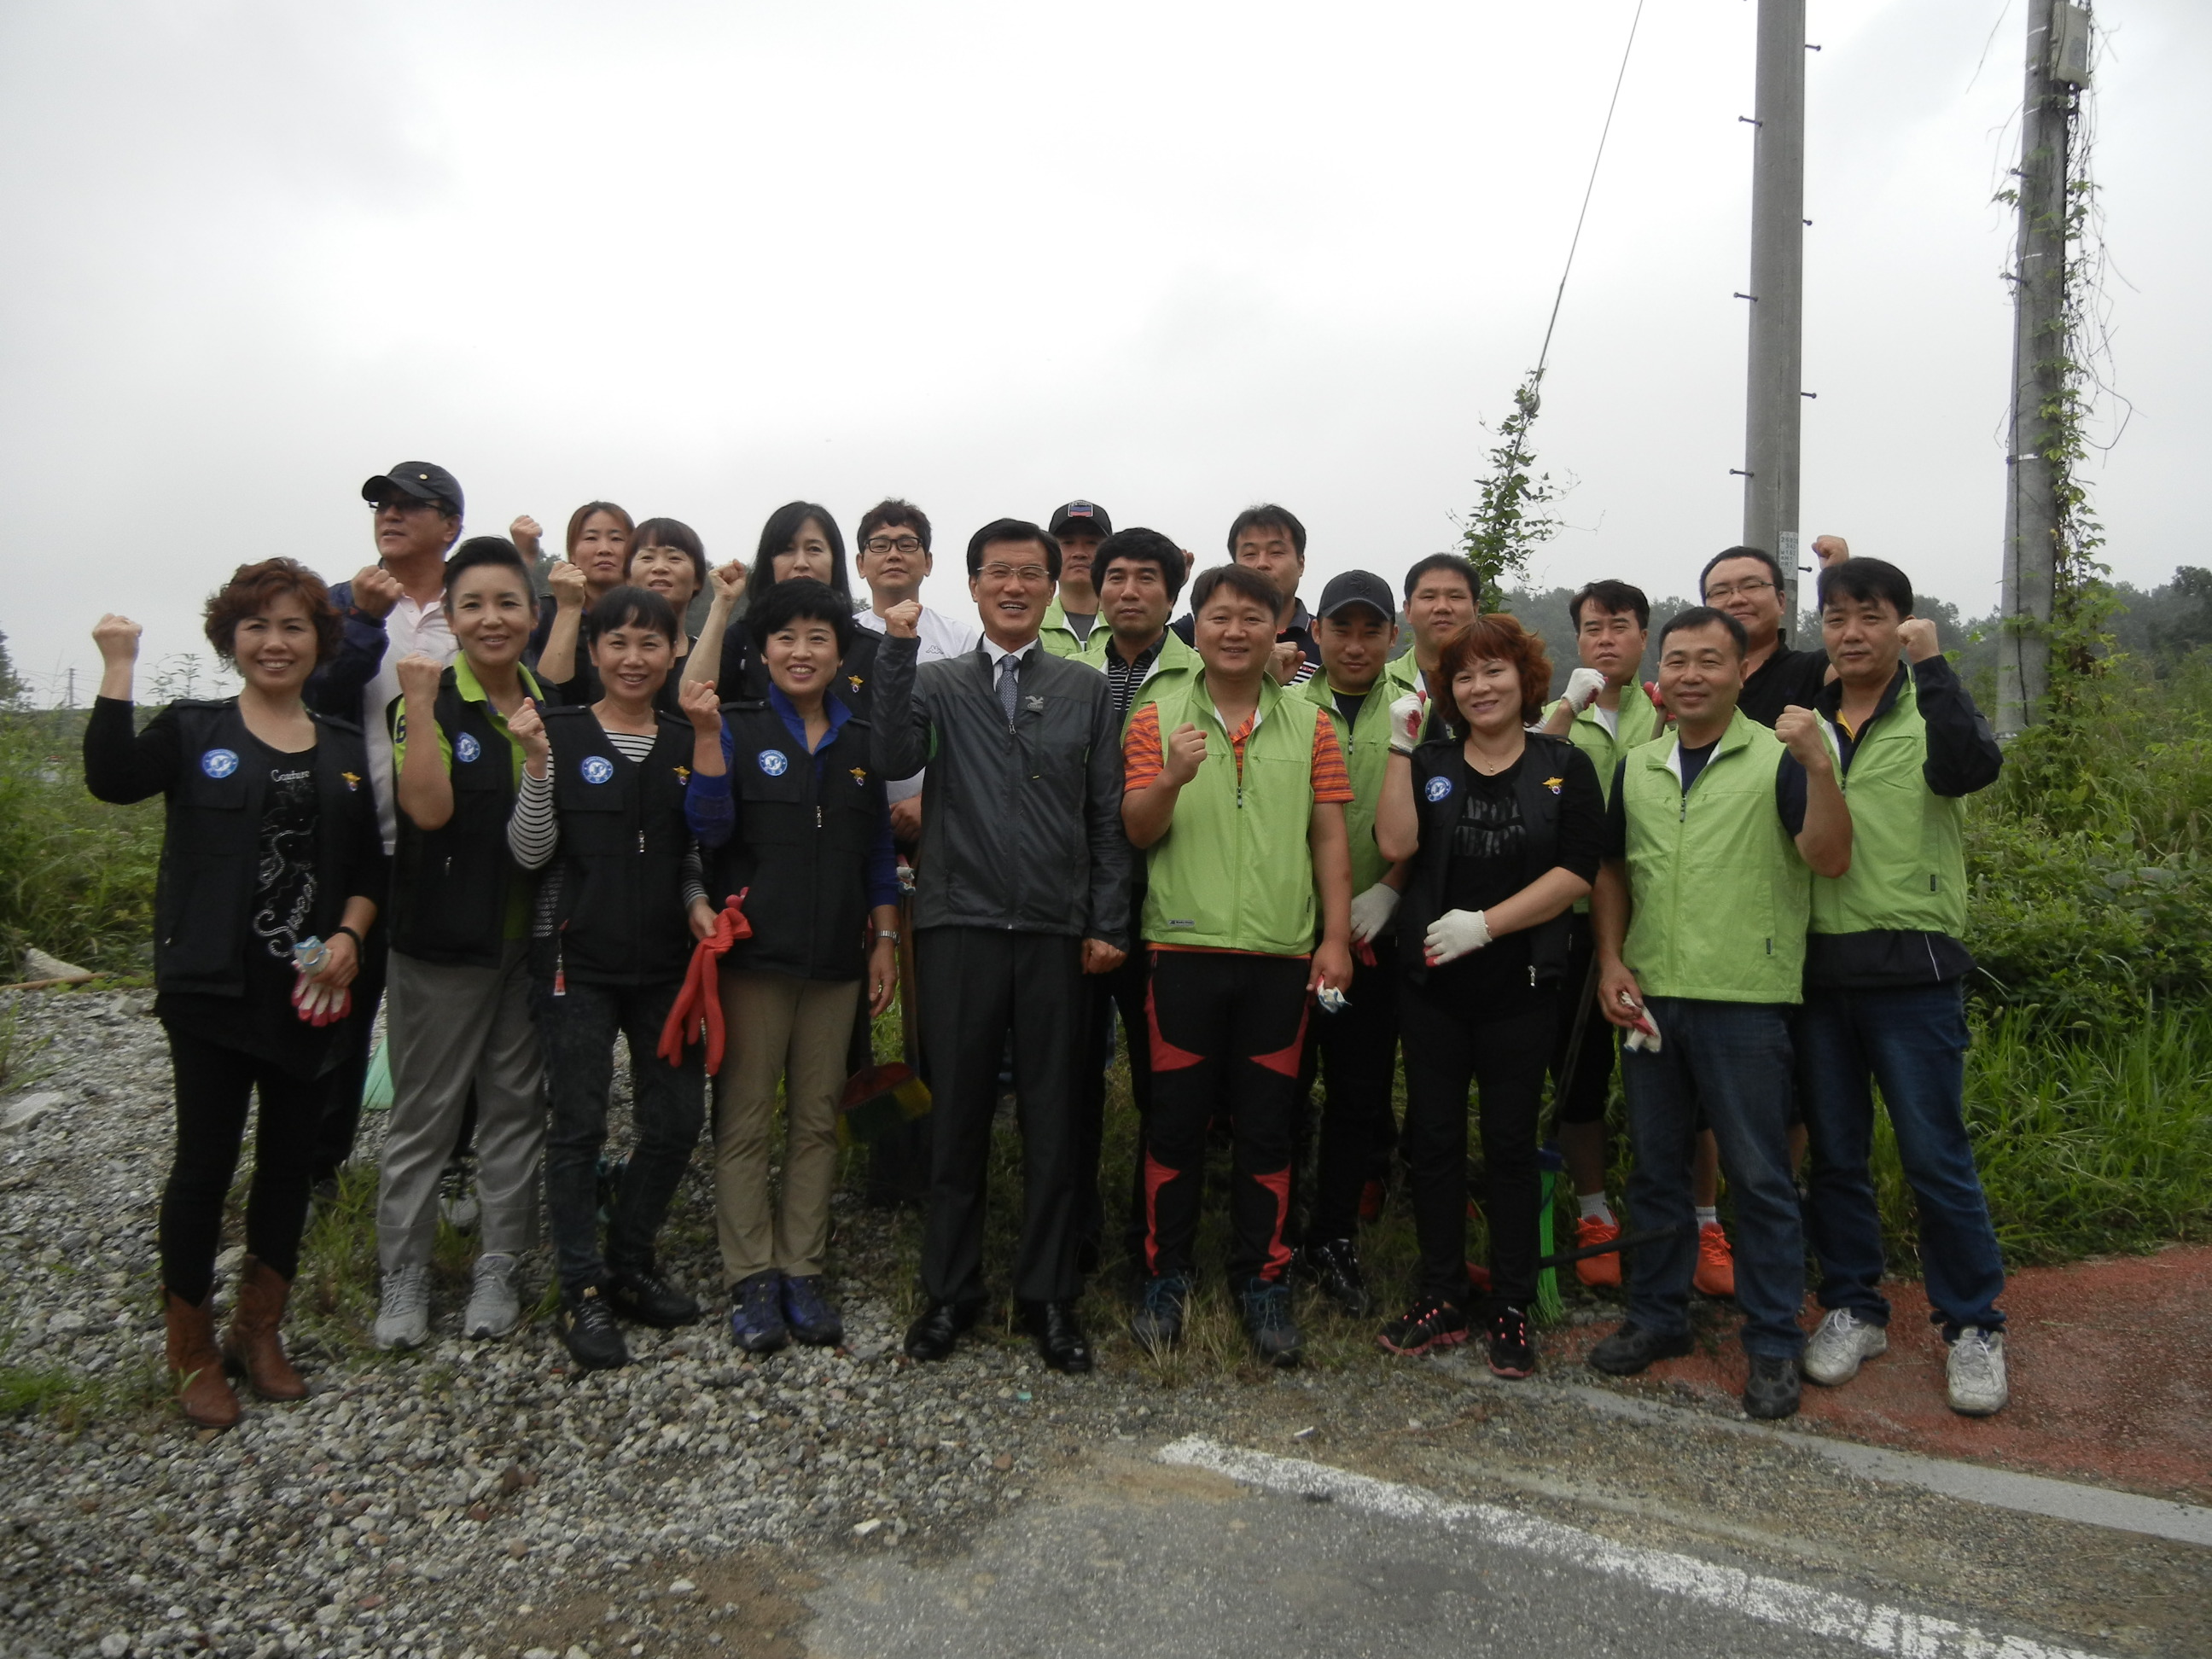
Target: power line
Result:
[[1589, 189]]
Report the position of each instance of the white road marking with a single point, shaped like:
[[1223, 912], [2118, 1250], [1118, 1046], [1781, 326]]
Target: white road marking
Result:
[[1874, 1625], [2031, 1494]]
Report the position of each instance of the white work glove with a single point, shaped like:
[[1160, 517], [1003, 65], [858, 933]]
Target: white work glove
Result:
[[1454, 934], [1371, 912], [1406, 716], [1583, 687], [1646, 1036]]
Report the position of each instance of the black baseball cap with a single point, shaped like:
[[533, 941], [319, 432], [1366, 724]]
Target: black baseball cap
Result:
[[1087, 516], [426, 481], [1358, 587]]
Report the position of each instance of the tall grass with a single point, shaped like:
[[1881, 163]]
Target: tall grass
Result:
[[76, 875]]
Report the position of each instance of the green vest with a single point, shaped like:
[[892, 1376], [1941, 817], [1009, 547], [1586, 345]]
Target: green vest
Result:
[[1366, 757], [1720, 905], [1588, 734], [1908, 843], [1234, 872], [1057, 637], [1176, 664]]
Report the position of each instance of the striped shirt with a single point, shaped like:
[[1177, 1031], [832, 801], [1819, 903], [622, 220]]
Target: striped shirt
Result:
[[1142, 764]]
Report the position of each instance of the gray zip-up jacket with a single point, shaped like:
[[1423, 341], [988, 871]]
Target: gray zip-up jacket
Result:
[[1021, 826]]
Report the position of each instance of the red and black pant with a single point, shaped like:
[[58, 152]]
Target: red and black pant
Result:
[[1227, 1031]]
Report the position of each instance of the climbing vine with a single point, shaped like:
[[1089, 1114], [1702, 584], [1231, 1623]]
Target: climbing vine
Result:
[[1509, 521]]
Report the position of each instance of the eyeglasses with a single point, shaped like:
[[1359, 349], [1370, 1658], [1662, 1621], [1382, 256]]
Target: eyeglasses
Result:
[[1729, 589], [890, 544], [1016, 572], [405, 504]]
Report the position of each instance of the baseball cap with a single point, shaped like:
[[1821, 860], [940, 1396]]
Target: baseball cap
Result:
[[1087, 516], [1358, 587], [426, 481]]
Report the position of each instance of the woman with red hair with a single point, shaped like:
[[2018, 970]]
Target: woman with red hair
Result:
[[1504, 827], [272, 871]]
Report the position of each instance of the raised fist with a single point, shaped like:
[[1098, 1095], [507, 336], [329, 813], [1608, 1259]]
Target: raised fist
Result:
[[1406, 713], [527, 728], [418, 681], [526, 532], [375, 591], [701, 705], [901, 621], [729, 581], [566, 581], [1583, 687], [117, 638], [1918, 636], [1184, 753]]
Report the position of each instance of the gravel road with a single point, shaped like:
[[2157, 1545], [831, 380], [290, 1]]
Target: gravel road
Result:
[[478, 1499]]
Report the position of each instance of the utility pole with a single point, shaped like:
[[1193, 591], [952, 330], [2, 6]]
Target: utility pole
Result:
[[2057, 61], [1773, 400]]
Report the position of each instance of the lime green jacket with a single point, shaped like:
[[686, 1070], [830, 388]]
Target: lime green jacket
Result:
[[1908, 843], [1176, 664], [1366, 757]]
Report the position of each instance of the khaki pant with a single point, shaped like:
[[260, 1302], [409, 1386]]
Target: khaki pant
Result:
[[780, 1028], [450, 1027]]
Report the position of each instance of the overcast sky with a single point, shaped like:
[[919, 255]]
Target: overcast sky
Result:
[[1177, 258]]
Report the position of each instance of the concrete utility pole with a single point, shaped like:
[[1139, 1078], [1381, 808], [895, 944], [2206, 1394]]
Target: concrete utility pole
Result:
[[1773, 404], [2057, 46]]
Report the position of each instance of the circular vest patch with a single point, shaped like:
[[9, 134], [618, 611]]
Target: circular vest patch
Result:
[[219, 762], [775, 762], [598, 768], [1438, 788], [467, 748]]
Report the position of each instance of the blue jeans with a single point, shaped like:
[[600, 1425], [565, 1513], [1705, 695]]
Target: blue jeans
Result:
[[1912, 1042], [1732, 1060], [668, 1105]]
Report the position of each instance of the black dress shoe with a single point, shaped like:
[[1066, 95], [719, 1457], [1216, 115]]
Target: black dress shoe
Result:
[[1632, 1348], [932, 1335], [1059, 1338]]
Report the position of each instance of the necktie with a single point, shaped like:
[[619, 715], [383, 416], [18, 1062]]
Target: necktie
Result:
[[1008, 687]]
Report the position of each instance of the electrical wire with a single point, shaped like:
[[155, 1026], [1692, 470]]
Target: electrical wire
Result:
[[1589, 189]]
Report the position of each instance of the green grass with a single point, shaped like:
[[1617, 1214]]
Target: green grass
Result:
[[76, 875]]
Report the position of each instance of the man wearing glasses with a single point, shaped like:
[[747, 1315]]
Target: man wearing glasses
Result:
[[1745, 583], [1021, 888], [893, 557], [391, 609]]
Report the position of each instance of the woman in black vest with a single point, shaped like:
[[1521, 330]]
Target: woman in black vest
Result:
[[800, 543], [272, 869], [798, 824], [1504, 827], [665, 556], [457, 1003], [600, 810]]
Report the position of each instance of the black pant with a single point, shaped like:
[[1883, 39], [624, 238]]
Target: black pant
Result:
[[982, 983], [1502, 1052], [668, 1108], [1119, 992], [1221, 1017], [214, 1085], [1590, 1086], [342, 1084], [1357, 1051]]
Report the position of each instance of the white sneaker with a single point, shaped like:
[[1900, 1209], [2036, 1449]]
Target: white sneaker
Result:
[[403, 1319], [494, 1308], [1976, 1372], [1843, 1343]]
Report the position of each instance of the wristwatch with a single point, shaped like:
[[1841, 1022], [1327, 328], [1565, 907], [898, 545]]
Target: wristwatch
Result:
[[890, 933]]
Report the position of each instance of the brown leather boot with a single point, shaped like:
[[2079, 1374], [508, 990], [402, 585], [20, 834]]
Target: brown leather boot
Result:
[[202, 1390], [251, 1345]]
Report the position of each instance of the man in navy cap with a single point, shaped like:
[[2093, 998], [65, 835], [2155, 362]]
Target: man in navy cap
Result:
[[1079, 527], [391, 609]]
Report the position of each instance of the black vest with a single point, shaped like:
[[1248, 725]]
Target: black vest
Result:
[[804, 827], [1545, 758], [450, 885], [620, 919], [744, 675], [203, 898]]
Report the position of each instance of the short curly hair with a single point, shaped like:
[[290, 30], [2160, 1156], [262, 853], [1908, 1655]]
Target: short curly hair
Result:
[[250, 590], [1498, 636]]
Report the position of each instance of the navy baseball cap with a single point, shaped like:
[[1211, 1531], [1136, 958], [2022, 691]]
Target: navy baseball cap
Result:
[[1087, 517], [1358, 587], [424, 481]]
